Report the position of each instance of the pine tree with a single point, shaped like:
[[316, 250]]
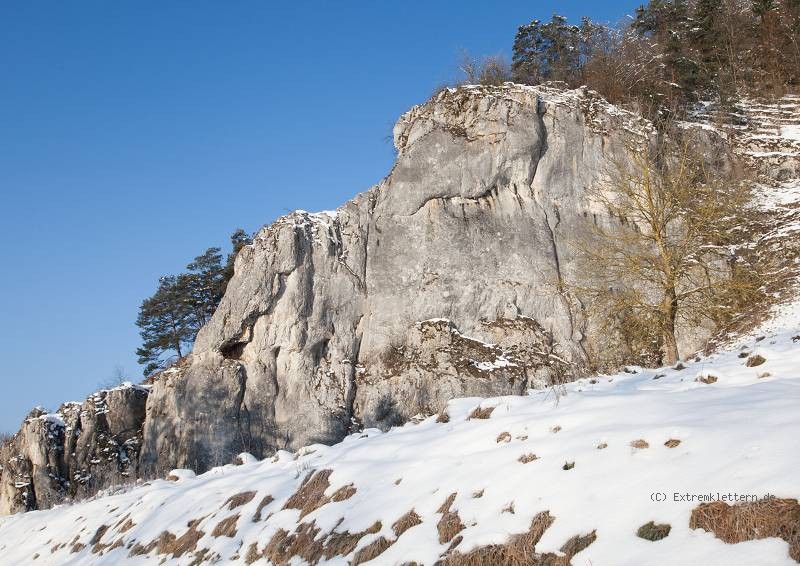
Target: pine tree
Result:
[[182, 304], [547, 52], [239, 239], [204, 284], [167, 323]]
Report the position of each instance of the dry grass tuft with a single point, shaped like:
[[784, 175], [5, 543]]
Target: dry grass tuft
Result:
[[305, 544], [519, 550], [98, 534], [371, 551], [477, 494], [602, 446], [653, 532], [450, 524], [527, 458], [479, 413], [343, 493], [168, 543], [124, 525], [639, 444], [568, 465], [707, 379], [555, 429], [410, 519], [311, 494], [264, 502], [443, 416], [751, 521], [504, 437], [577, 543], [239, 499], [342, 544], [763, 374], [252, 554], [226, 527], [508, 508], [672, 443], [755, 360], [77, 547]]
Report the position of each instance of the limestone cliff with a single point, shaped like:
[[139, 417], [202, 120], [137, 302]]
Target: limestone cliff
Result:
[[441, 281], [323, 325]]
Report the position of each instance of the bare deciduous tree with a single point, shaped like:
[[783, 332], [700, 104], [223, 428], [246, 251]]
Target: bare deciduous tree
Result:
[[669, 254]]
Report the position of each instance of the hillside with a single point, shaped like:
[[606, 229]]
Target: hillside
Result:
[[343, 335], [572, 473]]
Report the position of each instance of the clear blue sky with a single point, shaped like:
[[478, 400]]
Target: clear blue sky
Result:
[[134, 135]]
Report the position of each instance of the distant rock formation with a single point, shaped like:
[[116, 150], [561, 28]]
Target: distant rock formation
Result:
[[74, 452]]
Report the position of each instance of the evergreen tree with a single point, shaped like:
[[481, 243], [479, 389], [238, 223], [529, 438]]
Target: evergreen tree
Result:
[[166, 323], [547, 52], [239, 239], [204, 285], [170, 320]]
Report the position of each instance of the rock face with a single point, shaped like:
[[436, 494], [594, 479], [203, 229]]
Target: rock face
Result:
[[443, 280], [334, 319], [74, 452]]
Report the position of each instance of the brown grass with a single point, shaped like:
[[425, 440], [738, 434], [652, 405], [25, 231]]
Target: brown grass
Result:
[[639, 444], [410, 519], [98, 534], [310, 496], [707, 379], [527, 458], [264, 502], [751, 521], [239, 499], [226, 527], [443, 416], [479, 413], [168, 543], [371, 551], [343, 493], [755, 360], [124, 525], [504, 437], [653, 532], [342, 544], [77, 547], [602, 445], [518, 551], [672, 443], [477, 494], [304, 543], [450, 524]]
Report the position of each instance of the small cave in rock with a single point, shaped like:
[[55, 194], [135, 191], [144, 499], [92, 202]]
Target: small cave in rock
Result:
[[233, 350]]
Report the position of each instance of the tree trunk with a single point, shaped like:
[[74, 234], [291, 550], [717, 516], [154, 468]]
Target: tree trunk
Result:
[[669, 310]]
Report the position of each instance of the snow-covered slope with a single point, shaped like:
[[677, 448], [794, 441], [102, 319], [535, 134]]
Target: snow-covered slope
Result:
[[597, 460]]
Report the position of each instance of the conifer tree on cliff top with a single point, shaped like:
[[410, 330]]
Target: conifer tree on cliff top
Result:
[[170, 319]]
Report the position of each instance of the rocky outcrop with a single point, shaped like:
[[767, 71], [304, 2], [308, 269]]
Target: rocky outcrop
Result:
[[326, 324], [74, 452], [444, 280]]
